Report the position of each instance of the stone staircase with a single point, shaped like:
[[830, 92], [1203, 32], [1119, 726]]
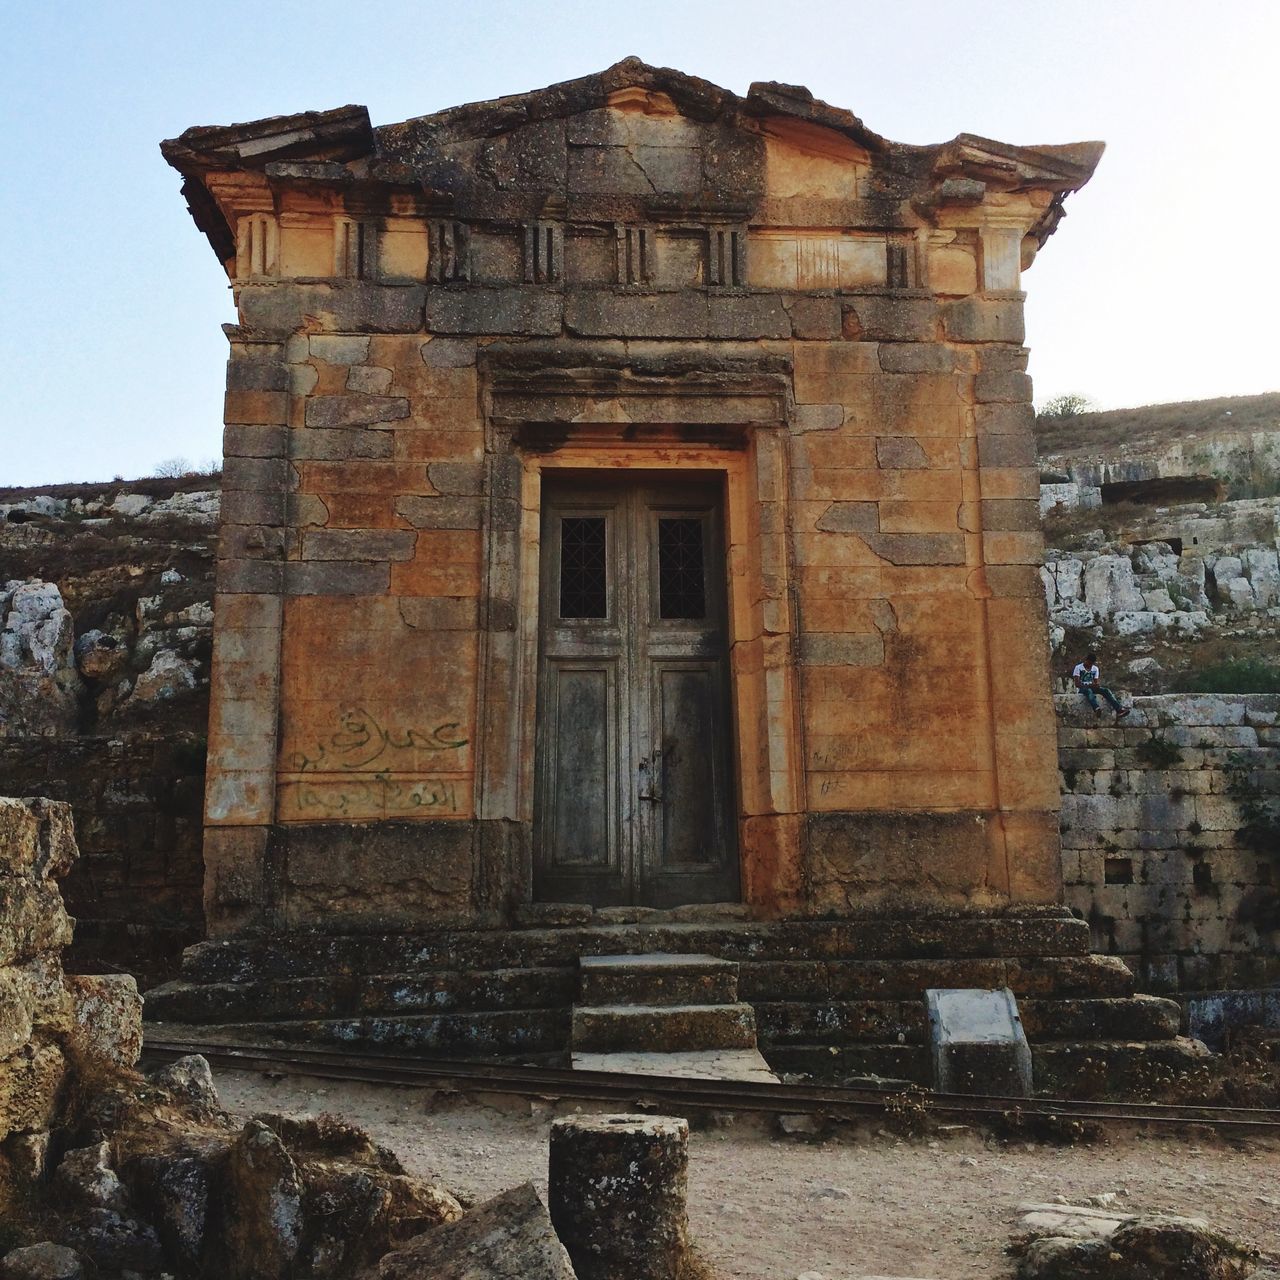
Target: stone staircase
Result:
[[664, 1013], [831, 998]]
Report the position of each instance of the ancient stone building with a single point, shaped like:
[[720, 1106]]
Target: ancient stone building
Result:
[[630, 501]]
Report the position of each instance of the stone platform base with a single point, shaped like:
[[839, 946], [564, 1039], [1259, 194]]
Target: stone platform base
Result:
[[695, 1064], [833, 999]]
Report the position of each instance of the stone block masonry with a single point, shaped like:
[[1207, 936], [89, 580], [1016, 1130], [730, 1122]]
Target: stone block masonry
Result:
[[49, 1024], [1171, 836], [639, 278]]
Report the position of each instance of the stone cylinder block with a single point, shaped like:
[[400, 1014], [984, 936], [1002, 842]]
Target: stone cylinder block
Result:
[[617, 1193]]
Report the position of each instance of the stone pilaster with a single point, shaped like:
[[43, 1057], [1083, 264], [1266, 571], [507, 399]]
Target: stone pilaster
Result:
[[240, 803]]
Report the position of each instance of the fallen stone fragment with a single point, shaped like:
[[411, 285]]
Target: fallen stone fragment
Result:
[[190, 1082], [617, 1188], [114, 1242], [86, 1177], [263, 1208], [508, 1238], [108, 1018], [45, 1261], [1069, 1242], [176, 1190]]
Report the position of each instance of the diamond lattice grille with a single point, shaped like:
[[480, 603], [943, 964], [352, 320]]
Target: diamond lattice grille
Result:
[[583, 581], [681, 574]]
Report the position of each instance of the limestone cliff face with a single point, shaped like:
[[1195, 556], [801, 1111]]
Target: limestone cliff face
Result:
[[105, 619]]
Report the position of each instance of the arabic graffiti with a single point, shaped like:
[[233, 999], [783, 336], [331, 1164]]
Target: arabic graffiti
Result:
[[359, 740], [379, 793]]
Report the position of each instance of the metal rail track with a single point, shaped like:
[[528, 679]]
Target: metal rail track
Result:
[[676, 1093]]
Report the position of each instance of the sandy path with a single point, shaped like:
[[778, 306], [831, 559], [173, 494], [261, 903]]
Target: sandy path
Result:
[[770, 1209]]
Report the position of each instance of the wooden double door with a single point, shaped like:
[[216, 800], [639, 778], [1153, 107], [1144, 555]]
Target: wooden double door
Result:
[[634, 801]]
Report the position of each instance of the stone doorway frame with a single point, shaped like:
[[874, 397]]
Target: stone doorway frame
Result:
[[731, 425]]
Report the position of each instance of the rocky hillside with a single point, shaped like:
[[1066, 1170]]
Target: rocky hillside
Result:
[[106, 596], [1234, 441]]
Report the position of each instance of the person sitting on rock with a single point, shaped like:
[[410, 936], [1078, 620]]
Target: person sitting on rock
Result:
[[1088, 680]]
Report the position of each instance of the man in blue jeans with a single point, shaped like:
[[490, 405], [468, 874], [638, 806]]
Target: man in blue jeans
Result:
[[1088, 680]]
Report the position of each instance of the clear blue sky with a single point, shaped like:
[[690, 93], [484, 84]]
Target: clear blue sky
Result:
[[1160, 285]]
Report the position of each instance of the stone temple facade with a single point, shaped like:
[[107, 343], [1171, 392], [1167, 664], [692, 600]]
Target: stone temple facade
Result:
[[630, 499], [630, 503]]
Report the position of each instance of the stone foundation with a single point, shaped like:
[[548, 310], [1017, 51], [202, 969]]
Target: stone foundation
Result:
[[1158, 853]]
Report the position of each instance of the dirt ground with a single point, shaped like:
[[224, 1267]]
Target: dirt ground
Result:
[[861, 1204]]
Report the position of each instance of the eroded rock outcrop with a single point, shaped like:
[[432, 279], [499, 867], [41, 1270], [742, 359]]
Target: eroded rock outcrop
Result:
[[39, 684], [124, 1174]]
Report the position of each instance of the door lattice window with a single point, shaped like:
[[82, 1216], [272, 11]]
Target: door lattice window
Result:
[[583, 584], [681, 575]]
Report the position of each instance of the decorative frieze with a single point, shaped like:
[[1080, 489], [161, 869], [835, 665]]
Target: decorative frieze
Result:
[[257, 247], [726, 256], [543, 252], [355, 249], [448, 251], [636, 255]]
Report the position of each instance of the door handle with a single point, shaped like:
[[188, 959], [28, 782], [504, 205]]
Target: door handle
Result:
[[650, 778], [651, 774]]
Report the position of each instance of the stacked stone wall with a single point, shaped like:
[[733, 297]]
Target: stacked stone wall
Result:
[[135, 890], [50, 1024], [1171, 836]]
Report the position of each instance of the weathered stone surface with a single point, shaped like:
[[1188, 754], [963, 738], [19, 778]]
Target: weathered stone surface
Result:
[[617, 1189], [177, 1190], [263, 1206], [354, 409], [507, 1238], [114, 1242], [526, 311], [45, 1261], [190, 1082], [86, 1177], [880, 318], [984, 320], [1066, 1242], [169, 676], [918, 548], [38, 678], [29, 1087], [344, 307], [977, 1042], [107, 1010]]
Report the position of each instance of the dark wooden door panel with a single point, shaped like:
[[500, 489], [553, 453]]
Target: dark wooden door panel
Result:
[[634, 800], [686, 731], [585, 781]]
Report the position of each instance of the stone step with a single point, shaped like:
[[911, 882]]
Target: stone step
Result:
[[759, 982], [313, 954], [842, 1022], [438, 991], [507, 1035], [1027, 976], [1113, 1068], [662, 1028], [832, 1064], [1146, 1018], [657, 978]]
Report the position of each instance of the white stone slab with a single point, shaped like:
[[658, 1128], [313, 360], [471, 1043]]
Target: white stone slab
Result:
[[702, 1064]]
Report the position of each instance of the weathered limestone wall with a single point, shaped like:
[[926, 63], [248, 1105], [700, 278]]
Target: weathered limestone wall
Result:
[[1171, 836], [106, 621]]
